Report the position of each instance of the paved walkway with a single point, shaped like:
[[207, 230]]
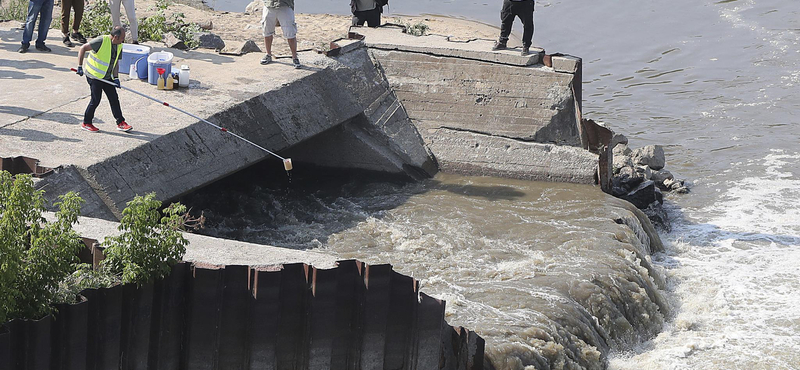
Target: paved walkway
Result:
[[42, 101]]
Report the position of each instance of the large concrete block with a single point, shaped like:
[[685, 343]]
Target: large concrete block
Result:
[[483, 155], [531, 103]]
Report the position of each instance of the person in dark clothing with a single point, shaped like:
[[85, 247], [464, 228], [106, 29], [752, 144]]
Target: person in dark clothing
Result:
[[366, 11], [516, 8]]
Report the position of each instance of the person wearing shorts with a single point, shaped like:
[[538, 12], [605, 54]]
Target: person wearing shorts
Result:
[[279, 11]]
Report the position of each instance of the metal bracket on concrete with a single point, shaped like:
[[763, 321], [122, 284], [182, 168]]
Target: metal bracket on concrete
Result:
[[24, 165]]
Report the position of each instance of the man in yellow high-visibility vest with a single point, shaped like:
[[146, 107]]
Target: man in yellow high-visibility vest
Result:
[[102, 64]]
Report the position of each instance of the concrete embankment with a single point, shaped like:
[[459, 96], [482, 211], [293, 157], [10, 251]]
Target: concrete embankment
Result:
[[488, 113]]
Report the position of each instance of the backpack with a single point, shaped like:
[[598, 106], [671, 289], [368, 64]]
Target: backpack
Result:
[[382, 3]]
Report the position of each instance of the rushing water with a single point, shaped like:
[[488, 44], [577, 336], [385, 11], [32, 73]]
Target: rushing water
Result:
[[715, 82]]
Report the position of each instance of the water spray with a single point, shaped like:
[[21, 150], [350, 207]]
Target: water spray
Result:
[[287, 162]]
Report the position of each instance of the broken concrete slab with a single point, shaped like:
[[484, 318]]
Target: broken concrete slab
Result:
[[393, 38], [485, 155]]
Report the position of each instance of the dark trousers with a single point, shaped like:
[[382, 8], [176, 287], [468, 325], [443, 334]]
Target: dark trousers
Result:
[[98, 88], [66, 5], [36, 7], [371, 17], [521, 9]]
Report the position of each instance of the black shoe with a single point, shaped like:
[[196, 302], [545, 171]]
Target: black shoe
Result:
[[78, 37], [23, 49], [67, 42], [526, 50], [43, 48], [135, 42], [499, 46]]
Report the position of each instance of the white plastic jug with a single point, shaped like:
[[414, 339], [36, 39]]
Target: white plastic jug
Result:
[[183, 76]]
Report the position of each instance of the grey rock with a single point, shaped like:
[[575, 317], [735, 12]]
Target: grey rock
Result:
[[642, 195], [660, 176], [208, 40], [172, 41], [658, 216], [644, 171], [651, 155], [621, 155], [255, 7], [240, 48], [206, 24]]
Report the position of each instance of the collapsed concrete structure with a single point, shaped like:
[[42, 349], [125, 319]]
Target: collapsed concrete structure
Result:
[[383, 101]]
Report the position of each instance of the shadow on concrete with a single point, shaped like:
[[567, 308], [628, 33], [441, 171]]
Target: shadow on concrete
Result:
[[26, 64], [58, 117], [13, 75], [35, 135], [212, 57]]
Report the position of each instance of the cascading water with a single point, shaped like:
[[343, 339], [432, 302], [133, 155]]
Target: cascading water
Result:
[[715, 82]]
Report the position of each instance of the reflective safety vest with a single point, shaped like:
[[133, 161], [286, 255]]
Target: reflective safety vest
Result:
[[99, 63]]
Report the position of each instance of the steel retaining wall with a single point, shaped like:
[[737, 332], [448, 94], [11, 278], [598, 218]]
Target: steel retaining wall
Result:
[[353, 316]]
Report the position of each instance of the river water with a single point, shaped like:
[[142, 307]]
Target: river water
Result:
[[542, 271]]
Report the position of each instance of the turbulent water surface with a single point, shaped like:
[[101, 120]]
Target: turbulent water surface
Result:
[[540, 270]]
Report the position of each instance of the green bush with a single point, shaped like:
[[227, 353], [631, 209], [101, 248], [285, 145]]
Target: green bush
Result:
[[417, 29], [155, 26], [149, 244], [14, 10], [38, 259], [35, 255], [96, 20]]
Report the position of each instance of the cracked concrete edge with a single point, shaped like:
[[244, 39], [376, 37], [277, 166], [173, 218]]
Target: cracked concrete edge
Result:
[[471, 153]]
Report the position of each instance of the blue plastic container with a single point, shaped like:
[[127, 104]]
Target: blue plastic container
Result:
[[134, 54], [161, 59]]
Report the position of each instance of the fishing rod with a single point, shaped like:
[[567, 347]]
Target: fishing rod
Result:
[[287, 162]]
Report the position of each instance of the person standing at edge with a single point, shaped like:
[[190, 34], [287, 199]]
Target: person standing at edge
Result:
[[66, 6], [36, 7], [366, 11], [279, 11], [102, 64], [130, 10], [516, 8]]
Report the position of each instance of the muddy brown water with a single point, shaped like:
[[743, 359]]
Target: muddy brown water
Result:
[[716, 83]]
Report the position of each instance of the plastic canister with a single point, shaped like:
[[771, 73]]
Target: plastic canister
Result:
[[134, 55], [183, 76], [161, 59]]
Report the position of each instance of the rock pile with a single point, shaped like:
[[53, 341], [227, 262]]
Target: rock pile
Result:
[[640, 178]]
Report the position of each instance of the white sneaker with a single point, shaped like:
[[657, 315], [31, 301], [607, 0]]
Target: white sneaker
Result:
[[296, 62]]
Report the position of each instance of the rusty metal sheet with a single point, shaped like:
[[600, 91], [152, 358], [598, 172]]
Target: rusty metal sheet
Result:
[[293, 324], [233, 329], [204, 296], [264, 317], [104, 327], [24, 165], [137, 312], [168, 321], [348, 323], [70, 336]]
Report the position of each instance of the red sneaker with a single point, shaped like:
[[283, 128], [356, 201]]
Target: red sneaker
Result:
[[122, 126], [89, 127]]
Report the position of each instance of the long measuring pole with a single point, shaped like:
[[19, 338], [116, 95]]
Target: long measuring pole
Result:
[[287, 162]]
